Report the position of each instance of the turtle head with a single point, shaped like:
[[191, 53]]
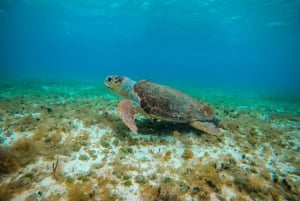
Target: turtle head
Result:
[[119, 84]]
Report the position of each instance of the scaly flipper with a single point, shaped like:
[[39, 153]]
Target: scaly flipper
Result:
[[126, 112], [206, 127]]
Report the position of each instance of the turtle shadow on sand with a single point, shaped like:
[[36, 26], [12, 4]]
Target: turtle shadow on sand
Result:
[[159, 128], [149, 126]]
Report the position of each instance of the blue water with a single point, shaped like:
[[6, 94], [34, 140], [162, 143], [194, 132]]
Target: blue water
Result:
[[236, 43]]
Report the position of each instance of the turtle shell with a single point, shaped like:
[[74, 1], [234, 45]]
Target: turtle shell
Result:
[[162, 102]]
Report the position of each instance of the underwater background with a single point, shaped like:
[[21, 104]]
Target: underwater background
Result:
[[61, 137], [210, 42]]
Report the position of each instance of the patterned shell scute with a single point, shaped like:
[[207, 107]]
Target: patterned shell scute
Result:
[[163, 102]]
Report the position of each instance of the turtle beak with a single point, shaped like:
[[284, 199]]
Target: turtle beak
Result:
[[107, 85], [107, 81]]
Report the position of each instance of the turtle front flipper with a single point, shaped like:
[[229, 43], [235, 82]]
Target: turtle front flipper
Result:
[[206, 127], [126, 112]]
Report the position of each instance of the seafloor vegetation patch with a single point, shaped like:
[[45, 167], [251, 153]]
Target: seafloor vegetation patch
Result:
[[63, 140]]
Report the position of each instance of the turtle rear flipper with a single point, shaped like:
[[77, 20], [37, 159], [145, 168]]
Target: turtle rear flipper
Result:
[[126, 112], [206, 127]]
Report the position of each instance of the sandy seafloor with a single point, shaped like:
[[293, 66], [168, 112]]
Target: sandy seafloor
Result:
[[64, 141]]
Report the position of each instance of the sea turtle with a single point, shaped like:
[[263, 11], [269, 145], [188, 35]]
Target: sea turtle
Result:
[[160, 102]]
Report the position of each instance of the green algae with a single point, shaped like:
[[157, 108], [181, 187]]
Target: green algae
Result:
[[84, 177], [142, 180], [167, 179], [105, 144], [127, 183], [126, 150], [84, 157], [69, 180]]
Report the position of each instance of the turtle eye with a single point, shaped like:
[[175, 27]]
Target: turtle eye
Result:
[[119, 79], [109, 79]]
